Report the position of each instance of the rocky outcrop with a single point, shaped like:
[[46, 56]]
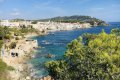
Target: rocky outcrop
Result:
[[47, 78]]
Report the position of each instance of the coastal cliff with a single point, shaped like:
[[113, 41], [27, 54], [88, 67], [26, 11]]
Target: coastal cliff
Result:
[[17, 57], [16, 48]]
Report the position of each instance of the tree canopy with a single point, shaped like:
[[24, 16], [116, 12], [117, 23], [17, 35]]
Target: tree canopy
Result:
[[90, 57]]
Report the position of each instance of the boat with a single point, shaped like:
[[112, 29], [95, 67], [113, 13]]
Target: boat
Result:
[[45, 42]]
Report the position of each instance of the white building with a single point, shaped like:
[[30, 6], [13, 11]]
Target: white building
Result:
[[8, 23]]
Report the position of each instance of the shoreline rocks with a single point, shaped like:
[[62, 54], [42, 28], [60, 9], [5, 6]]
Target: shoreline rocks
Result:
[[24, 48], [50, 55], [47, 78]]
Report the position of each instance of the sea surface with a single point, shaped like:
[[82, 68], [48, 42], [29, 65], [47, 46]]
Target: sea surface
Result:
[[55, 44]]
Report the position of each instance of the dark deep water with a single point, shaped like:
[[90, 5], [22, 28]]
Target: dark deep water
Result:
[[56, 44]]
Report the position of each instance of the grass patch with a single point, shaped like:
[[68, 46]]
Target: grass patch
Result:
[[3, 70]]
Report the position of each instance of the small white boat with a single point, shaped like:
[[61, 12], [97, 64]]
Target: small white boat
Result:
[[45, 42]]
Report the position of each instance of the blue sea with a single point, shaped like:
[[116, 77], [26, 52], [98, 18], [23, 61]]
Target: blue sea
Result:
[[55, 43]]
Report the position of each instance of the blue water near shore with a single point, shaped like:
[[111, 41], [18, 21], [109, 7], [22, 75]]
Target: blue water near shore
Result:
[[55, 43]]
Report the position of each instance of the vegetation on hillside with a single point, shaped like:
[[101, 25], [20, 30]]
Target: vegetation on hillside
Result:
[[90, 57], [7, 33], [3, 71], [70, 19], [76, 18]]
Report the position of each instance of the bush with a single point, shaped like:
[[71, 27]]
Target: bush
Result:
[[98, 59], [10, 68], [3, 66], [12, 45], [34, 22], [16, 34], [16, 38], [3, 71], [1, 43], [7, 36]]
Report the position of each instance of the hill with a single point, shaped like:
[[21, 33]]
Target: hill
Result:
[[82, 19]]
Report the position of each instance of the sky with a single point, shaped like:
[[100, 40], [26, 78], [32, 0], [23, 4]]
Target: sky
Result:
[[108, 10]]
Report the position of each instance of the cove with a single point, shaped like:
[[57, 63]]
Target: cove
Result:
[[55, 43]]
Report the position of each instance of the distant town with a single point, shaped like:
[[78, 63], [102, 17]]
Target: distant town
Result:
[[49, 26], [55, 24]]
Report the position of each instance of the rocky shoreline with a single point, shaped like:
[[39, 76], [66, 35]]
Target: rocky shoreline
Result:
[[19, 56], [25, 48]]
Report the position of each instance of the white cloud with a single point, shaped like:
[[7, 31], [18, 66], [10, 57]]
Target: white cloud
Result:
[[15, 12]]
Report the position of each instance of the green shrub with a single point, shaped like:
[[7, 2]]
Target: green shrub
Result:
[[3, 66], [1, 43], [10, 68], [12, 45], [7, 36], [97, 59], [16, 38], [34, 22], [3, 71]]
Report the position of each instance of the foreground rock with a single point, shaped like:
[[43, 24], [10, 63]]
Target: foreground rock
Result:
[[18, 57], [47, 78]]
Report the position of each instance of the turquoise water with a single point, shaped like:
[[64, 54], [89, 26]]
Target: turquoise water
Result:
[[55, 43]]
